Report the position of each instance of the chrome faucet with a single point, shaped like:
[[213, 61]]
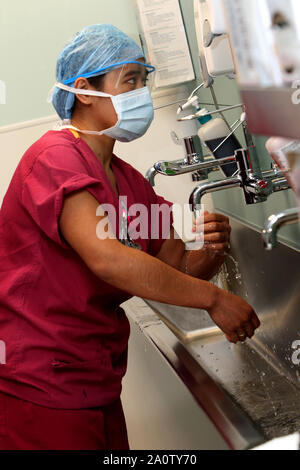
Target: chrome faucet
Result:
[[150, 175], [274, 223], [256, 187], [194, 162], [211, 187], [180, 167]]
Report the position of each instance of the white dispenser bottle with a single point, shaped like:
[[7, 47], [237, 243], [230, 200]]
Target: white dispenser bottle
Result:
[[212, 133]]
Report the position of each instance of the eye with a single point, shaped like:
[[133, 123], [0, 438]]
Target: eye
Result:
[[137, 80], [132, 81]]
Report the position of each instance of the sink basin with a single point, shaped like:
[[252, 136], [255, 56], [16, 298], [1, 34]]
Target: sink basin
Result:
[[258, 387], [188, 324], [259, 375]]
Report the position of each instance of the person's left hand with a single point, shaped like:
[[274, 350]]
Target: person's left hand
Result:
[[216, 230]]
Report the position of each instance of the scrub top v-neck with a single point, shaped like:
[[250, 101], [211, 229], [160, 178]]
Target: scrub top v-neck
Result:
[[65, 334], [77, 136]]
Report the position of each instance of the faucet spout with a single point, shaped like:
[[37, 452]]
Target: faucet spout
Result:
[[211, 187], [181, 167], [150, 175], [273, 225]]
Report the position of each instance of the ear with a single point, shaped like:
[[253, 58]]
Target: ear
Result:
[[83, 84]]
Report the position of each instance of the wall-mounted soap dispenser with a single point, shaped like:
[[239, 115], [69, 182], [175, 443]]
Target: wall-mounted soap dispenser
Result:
[[214, 48]]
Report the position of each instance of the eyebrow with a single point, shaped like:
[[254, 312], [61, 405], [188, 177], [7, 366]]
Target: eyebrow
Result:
[[136, 72]]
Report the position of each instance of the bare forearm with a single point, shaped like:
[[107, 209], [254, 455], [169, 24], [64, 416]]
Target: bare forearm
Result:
[[201, 263], [145, 276]]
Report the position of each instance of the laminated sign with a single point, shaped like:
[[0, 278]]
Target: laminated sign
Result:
[[164, 33]]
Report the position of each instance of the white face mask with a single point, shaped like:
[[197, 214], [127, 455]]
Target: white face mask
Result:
[[134, 110]]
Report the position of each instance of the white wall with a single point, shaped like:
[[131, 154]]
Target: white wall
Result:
[[14, 141], [33, 33]]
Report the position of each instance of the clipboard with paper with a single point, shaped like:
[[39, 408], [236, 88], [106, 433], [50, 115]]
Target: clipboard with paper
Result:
[[164, 40]]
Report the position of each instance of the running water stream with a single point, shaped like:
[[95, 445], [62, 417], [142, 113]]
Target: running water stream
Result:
[[268, 397], [224, 276]]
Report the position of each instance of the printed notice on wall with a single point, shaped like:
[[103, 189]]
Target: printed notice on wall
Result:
[[167, 45]]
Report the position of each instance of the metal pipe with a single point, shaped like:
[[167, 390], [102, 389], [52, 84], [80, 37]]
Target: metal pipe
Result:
[[214, 97], [150, 176], [280, 184], [194, 91], [184, 100], [168, 104], [211, 187], [218, 111], [273, 225], [152, 172], [175, 168], [234, 128]]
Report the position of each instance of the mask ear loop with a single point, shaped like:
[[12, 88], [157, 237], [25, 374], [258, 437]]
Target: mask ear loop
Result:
[[66, 123], [77, 91], [50, 94]]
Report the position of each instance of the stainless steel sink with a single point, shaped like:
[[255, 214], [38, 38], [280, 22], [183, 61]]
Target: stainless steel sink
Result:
[[259, 375], [188, 324], [269, 398]]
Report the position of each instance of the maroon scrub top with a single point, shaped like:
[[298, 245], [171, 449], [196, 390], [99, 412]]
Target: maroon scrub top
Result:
[[64, 331]]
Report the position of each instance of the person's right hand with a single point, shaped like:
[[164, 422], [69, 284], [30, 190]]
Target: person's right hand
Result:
[[234, 316]]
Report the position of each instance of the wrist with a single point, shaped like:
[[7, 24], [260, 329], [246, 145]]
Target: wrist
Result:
[[212, 297]]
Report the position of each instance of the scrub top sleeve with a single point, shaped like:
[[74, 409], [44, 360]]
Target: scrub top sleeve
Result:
[[56, 173], [161, 221]]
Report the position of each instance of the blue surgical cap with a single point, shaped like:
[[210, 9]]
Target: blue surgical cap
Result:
[[94, 51]]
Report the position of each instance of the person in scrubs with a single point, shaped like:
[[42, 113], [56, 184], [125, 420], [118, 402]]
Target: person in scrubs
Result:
[[62, 281]]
